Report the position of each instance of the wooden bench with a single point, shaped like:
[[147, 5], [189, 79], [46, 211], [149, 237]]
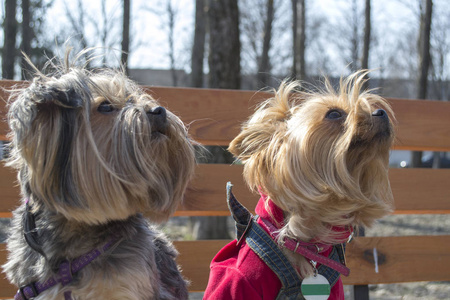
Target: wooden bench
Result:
[[214, 118]]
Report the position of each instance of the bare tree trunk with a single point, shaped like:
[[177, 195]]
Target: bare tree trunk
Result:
[[198, 49], [294, 37], [424, 64], [225, 46], [299, 38], [197, 59], [355, 38], [264, 64], [437, 160], [367, 29], [366, 45], [224, 73], [27, 35], [9, 45], [171, 12], [424, 50], [125, 34], [211, 228], [416, 159], [104, 32]]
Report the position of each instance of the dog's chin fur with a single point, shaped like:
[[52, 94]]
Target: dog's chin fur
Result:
[[324, 173], [88, 172]]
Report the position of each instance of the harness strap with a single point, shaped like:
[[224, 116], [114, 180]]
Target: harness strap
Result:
[[262, 244], [30, 230], [301, 248], [65, 273], [248, 230]]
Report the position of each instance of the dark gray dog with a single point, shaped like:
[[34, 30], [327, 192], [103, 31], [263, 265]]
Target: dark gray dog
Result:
[[96, 158]]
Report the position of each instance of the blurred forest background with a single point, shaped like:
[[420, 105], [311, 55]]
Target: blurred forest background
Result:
[[244, 44], [261, 41]]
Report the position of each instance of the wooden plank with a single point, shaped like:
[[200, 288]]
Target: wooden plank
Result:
[[7, 290], [422, 124], [194, 258], [400, 259], [9, 190], [410, 187], [214, 116], [416, 191], [207, 191], [421, 191]]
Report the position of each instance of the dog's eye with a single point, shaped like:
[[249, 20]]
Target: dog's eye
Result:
[[105, 107], [334, 114]]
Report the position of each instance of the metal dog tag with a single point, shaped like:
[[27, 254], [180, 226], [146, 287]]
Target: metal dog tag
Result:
[[316, 287]]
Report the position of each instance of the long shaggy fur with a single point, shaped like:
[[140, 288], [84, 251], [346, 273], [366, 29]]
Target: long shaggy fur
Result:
[[322, 172], [93, 164]]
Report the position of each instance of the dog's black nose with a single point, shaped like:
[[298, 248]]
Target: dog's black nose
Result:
[[380, 113], [158, 119]]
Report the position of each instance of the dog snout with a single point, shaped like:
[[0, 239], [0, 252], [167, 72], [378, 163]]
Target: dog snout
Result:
[[381, 123], [381, 113], [158, 119]]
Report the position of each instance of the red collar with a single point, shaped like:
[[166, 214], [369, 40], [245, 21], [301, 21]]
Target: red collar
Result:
[[272, 219], [266, 209]]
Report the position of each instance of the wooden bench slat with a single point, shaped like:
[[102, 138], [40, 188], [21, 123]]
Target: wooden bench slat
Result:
[[214, 116], [421, 191], [7, 290], [195, 258], [415, 191], [400, 259], [410, 187], [422, 124]]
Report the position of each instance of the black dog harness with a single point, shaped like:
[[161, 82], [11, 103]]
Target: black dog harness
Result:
[[67, 269]]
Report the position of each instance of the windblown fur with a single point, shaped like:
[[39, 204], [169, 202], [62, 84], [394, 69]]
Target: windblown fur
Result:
[[97, 157], [322, 157]]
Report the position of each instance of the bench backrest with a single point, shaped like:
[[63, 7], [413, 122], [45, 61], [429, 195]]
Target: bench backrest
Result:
[[214, 118]]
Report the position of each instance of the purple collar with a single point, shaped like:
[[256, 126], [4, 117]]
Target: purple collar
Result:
[[65, 273]]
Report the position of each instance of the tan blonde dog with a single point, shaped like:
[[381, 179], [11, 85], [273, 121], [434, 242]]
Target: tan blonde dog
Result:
[[320, 161], [98, 160]]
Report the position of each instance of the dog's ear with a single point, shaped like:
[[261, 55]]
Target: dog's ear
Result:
[[67, 98], [252, 139], [44, 120], [266, 125], [44, 109], [53, 93]]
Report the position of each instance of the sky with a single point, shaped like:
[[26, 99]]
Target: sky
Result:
[[149, 47]]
